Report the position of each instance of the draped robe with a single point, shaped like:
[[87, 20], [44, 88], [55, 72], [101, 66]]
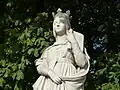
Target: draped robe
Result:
[[60, 59]]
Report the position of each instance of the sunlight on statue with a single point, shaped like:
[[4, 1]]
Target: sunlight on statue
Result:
[[65, 64]]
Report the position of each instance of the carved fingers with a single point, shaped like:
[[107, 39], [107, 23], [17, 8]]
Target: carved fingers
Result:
[[56, 79], [70, 36]]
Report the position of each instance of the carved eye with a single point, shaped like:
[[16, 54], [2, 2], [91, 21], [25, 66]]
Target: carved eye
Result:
[[62, 21]]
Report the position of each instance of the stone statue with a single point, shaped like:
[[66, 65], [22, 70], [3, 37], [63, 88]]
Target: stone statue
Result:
[[63, 65]]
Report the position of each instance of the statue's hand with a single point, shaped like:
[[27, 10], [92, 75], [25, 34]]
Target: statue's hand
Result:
[[54, 77], [70, 36]]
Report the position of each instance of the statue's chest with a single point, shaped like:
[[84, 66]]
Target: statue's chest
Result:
[[60, 51]]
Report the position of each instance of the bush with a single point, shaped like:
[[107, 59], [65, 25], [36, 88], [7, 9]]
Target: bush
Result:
[[24, 42]]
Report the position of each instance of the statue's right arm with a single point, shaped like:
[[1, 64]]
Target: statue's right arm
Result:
[[42, 70], [41, 64]]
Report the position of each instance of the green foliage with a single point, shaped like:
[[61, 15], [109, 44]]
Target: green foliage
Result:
[[110, 86], [24, 41], [27, 33], [108, 72]]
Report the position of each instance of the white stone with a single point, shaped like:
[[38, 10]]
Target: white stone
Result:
[[63, 66]]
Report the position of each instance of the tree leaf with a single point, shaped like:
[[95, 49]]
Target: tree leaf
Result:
[[30, 51], [36, 54], [2, 82], [14, 67], [14, 75], [20, 75]]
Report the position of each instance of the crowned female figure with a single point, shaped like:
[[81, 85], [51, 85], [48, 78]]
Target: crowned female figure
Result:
[[63, 65]]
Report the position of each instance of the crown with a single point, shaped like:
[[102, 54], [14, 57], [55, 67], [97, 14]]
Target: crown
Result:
[[60, 13]]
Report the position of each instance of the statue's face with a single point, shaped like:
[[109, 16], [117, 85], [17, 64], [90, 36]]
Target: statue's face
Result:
[[59, 25]]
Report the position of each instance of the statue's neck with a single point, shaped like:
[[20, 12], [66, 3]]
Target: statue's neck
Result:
[[61, 39]]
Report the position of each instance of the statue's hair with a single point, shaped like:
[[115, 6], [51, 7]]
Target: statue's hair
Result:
[[63, 15]]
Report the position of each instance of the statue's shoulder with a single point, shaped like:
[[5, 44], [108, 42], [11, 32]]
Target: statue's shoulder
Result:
[[78, 34], [48, 48], [80, 39]]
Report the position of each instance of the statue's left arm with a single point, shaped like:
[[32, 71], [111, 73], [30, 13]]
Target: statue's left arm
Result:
[[78, 54]]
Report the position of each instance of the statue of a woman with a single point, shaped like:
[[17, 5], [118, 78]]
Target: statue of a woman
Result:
[[64, 65]]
